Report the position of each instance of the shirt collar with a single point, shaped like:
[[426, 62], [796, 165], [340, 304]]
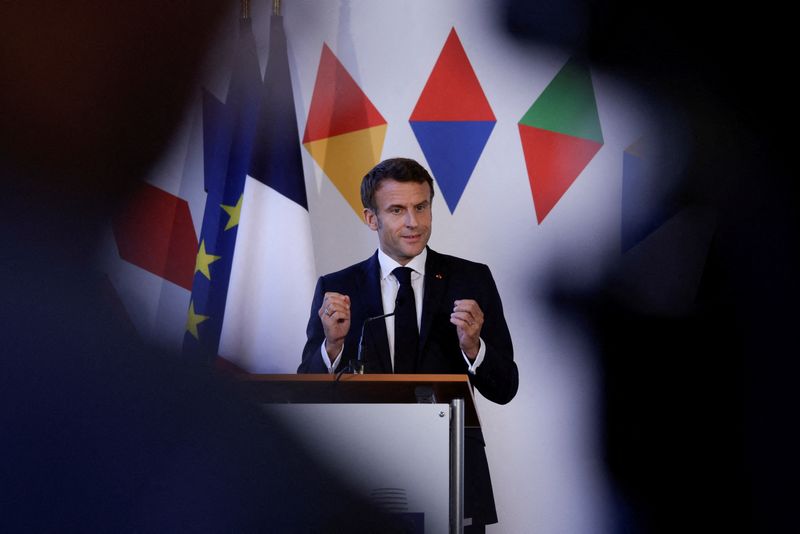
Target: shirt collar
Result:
[[417, 263]]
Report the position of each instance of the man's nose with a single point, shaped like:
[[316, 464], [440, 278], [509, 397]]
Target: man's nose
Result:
[[411, 218]]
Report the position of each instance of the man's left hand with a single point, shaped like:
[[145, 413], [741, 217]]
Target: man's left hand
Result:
[[468, 318]]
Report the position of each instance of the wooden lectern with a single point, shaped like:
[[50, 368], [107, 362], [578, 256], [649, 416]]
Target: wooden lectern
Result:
[[405, 432]]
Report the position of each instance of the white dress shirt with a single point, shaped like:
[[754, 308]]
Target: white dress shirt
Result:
[[389, 289]]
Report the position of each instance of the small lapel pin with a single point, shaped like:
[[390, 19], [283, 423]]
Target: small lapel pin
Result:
[[438, 276]]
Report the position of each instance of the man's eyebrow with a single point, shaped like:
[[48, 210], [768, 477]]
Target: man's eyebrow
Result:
[[403, 206]]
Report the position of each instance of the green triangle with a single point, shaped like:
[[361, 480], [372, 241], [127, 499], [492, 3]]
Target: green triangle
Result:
[[567, 105]]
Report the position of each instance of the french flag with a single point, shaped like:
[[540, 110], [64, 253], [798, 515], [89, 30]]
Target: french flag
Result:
[[255, 273]]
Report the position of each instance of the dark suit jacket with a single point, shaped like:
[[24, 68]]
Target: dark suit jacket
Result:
[[447, 279]]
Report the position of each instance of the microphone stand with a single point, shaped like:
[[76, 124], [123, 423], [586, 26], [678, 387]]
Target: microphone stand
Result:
[[357, 365]]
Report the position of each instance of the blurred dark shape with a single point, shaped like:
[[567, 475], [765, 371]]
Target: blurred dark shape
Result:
[[99, 433], [102, 434], [558, 23], [699, 394]]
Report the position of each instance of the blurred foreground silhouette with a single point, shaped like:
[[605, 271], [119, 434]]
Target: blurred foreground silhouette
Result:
[[99, 432], [699, 394]]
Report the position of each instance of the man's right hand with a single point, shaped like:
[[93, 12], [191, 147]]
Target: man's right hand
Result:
[[335, 317]]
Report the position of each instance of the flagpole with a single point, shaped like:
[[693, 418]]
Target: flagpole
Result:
[[245, 8], [276, 7]]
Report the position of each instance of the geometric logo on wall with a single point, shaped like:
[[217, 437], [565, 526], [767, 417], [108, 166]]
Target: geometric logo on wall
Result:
[[560, 134], [154, 231], [344, 131], [645, 204], [452, 120]]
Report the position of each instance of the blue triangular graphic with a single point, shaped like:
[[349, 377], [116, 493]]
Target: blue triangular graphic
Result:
[[644, 205], [452, 149]]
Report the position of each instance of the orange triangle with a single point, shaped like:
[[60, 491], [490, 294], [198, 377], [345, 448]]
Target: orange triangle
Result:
[[338, 105]]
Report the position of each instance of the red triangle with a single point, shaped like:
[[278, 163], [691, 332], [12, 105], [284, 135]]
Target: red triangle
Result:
[[338, 104], [452, 92], [154, 231], [554, 161]]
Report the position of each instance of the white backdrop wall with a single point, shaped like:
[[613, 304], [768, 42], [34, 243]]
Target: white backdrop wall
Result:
[[543, 447]]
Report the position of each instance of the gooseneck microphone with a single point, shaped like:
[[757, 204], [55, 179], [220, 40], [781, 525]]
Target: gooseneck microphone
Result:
[[358, 364]]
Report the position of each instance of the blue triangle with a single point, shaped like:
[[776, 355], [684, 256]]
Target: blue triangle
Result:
[[645, 206], [452, 149]]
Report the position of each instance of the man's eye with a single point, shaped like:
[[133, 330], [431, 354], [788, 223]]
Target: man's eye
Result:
[[422, 207], [395, 211]]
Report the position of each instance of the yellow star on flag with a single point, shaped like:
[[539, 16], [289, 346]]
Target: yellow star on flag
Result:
[[204, 260], [193, 320], [234, 212]]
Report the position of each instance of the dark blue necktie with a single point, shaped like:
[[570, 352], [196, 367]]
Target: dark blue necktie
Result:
[[406, 333]]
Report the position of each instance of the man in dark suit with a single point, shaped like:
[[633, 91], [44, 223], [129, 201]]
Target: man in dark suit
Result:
[[448, 317]]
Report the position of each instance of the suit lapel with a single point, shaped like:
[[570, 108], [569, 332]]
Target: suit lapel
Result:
[[376, 344], [435, 284]]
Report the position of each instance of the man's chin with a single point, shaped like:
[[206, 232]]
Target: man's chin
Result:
[[414, 246]]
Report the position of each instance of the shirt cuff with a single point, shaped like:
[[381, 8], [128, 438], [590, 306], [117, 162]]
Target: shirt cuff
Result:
[[327, 361], [471, 366]]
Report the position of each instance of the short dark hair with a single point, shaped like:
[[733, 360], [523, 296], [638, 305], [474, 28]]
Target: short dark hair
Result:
[[399, 169]]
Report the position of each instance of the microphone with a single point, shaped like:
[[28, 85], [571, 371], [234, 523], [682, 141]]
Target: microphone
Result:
[[358, 364]]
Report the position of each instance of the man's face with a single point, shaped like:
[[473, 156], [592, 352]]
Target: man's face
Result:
[[402, 219]]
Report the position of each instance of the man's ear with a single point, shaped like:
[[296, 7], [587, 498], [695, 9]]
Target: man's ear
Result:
[[371, 219]]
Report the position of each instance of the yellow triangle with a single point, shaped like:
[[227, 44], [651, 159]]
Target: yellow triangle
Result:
[[347, 158]]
